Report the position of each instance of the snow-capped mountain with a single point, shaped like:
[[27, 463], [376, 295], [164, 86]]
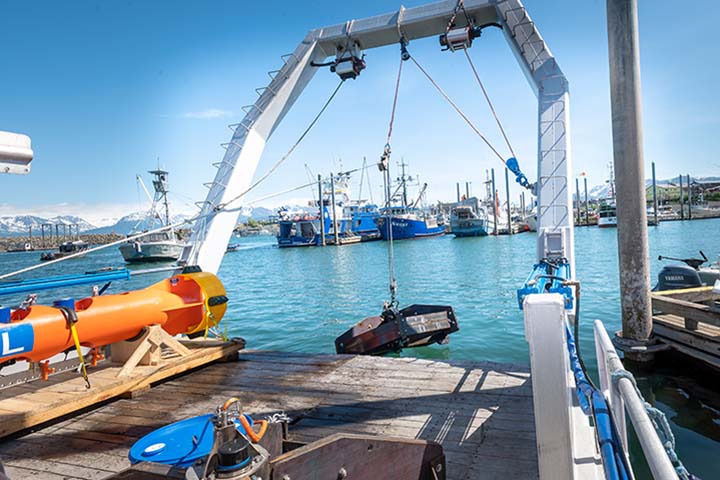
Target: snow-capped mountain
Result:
[[135, 221], [256, 213], [83, 225], [22, 224]]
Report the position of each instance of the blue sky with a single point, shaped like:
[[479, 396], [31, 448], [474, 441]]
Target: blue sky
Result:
[[105, 88]]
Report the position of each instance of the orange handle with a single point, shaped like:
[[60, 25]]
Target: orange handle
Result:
[[229, 402], [255, 437]]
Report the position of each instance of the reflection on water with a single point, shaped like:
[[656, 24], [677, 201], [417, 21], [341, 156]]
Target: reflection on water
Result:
[[301, 299]]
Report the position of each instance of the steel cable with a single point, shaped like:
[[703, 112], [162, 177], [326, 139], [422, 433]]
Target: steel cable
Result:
[[487, 97], [287, 154], [458, 110]]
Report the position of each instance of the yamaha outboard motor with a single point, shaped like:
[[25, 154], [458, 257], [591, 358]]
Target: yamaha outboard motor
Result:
[[674, 277]]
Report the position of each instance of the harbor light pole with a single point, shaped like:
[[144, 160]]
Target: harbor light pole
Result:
[[625, 97]]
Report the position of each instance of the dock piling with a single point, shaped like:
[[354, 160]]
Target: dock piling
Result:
[[494, 202], [633, 254], [689, 190], [682, 201], [587, 208], [655, 200], [322, 211], [577, 198], [507, 201], [334, 219]]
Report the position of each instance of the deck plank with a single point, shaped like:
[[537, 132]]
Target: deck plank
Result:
[[480, 412]]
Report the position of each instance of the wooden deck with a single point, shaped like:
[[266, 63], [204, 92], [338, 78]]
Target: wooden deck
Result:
[[480, 412], [24, 406], [689, 321]]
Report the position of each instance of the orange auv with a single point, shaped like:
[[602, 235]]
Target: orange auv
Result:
[[185, 303]]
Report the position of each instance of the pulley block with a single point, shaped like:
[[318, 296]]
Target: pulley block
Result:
[[459, 38]]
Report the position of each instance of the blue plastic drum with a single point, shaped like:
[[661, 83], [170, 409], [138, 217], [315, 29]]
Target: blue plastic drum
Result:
[[180, 444]]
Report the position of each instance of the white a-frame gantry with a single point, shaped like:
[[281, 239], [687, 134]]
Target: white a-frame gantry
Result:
[[211, 233]]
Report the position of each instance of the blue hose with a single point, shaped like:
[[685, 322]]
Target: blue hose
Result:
[[593, 403]]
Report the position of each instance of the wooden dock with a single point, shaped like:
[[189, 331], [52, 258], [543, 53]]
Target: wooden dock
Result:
[[481, 413], [689, 322], [27, 405]]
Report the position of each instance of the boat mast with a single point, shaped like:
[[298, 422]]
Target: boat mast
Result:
[[403, 181], [160, 184]]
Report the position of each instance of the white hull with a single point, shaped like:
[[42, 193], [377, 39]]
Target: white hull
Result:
[[531, 221], [607, 222], [135, 252]]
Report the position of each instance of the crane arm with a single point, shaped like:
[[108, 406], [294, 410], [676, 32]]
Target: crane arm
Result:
[[215, 223]]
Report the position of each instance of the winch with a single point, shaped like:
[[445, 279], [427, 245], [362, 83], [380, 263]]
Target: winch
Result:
[[229, 445], [220, 445]]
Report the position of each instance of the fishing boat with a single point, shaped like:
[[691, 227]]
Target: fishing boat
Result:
[[162, 246], [352, 219], [408, 223], [469, 219], [666, 212], [21, 247], [531, 221], [364, 220], [607, 215], [297, 229], [65, 249], [407, 219]]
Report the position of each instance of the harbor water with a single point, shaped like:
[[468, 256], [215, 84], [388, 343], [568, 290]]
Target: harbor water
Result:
[[301, 299]]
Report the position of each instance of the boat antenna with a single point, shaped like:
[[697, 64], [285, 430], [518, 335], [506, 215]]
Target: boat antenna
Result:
[[362, 179]]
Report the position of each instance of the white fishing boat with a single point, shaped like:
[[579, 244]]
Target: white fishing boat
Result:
[[158, 246], [607, 215]]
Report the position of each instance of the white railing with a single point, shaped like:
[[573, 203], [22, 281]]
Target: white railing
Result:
[[621, 393], [566, 438]]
